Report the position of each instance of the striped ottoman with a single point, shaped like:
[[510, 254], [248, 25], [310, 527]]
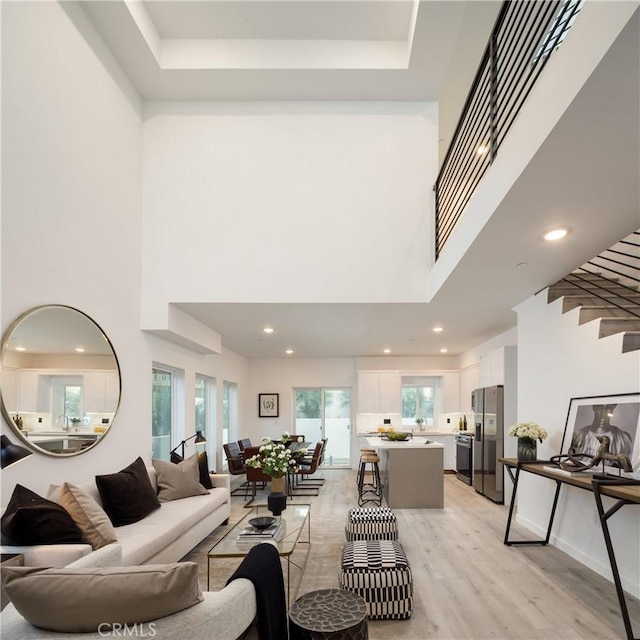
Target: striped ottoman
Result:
[[371, 523], [378, 571]]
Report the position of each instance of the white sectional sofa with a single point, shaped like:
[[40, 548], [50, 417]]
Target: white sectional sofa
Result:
[[166, 535]]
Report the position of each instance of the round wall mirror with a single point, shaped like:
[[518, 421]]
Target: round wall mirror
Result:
[[59, 381]]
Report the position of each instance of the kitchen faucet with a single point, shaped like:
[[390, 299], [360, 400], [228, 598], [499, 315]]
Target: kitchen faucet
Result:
[[65, 422]]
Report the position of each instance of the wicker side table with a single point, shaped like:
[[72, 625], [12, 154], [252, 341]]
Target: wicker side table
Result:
[[328, 614]]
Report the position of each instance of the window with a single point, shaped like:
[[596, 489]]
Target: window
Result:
[[419, 400], [161, 413], [202, 407], [73, 402], [229, 412], [205, 418]]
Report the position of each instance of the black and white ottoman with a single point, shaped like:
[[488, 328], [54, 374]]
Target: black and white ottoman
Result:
[[371, 523], [378, 571]]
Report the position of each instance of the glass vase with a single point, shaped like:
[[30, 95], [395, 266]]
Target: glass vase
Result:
[[527, 450]]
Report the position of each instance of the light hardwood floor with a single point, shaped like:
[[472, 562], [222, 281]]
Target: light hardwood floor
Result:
[[467, 584]]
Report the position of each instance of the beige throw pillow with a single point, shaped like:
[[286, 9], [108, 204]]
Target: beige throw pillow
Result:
[[90, 600], [88, 515], [178, 480]]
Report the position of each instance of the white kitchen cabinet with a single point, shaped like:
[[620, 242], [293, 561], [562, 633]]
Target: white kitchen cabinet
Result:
[[112, 391], [449, 450], [469, 380], [390, 392], [379, 392], [93, 391], [28, 387], [101, 391], [10, 389], [495, 367]]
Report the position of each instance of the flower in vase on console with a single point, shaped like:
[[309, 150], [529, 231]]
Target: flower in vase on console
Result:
[[530, 430]]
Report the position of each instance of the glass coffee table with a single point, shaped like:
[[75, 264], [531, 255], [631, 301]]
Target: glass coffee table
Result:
[[294, 518]]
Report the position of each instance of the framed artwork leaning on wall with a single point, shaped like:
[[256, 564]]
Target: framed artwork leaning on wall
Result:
[[616, 416]]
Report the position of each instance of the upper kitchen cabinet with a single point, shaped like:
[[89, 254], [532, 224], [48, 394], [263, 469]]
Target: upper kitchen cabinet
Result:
[[379, 392], [496, 367], [101, 391]]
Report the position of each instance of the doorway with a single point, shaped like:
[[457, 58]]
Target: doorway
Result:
[[326, 413]]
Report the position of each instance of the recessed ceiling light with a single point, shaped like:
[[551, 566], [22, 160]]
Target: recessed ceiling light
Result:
[[386, 351], [443, 350], [80, 349], [21, 348], [438, 329], [556, 234], [289, 352], [482, 150], [268, 329]]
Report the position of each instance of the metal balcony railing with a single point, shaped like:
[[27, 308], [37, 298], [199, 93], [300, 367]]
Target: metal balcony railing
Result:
[[525, 34]]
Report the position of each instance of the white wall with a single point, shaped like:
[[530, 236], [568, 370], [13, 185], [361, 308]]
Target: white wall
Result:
[[72, 222], [71, 215], [325, 202], [559, 360]]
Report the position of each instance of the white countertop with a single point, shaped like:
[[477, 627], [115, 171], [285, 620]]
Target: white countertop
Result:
[[53, 436], [416, 442], [416, 433]]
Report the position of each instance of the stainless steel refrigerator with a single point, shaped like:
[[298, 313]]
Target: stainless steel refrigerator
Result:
[[488, 442]]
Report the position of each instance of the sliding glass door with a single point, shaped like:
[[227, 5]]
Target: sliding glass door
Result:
[[326, 413]]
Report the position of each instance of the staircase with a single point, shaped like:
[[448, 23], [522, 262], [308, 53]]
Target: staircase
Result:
[[606, 289]]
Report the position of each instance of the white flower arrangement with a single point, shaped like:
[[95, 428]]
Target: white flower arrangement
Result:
[[529, 430], [274, 459]]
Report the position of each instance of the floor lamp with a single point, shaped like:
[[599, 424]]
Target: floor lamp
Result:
[[11, 453], [199, 436]]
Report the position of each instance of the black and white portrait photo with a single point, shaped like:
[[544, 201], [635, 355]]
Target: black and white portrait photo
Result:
[[617, 417]]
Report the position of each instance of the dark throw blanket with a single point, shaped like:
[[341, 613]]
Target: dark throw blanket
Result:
[[262, 566]]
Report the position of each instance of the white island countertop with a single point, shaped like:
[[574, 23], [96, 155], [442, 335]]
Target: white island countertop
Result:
[[422, 434], [417, 442]]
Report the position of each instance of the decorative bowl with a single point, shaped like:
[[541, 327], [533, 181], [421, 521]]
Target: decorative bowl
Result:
[[398, 436], [262, 523]]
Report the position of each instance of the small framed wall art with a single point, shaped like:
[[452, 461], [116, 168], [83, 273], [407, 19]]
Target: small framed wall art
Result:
[[268, 405]]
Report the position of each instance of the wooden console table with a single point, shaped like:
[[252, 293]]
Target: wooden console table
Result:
[[623, 490]]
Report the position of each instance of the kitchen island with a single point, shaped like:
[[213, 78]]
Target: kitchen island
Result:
[[411, 472]]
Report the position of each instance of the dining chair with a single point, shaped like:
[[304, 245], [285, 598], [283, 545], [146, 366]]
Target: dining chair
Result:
[[307, 460], [255, 476], [304, 469], [235, 463], [244, 443]]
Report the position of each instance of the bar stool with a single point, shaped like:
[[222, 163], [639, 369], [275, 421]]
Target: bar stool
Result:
[[369, 492], [364, 450]]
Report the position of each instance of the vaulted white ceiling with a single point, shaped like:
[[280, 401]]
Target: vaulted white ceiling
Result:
[[288, 49], [400, 50]]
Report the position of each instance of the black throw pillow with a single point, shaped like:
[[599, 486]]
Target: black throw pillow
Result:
[[203, 467], [31, 519], [127, 496]]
